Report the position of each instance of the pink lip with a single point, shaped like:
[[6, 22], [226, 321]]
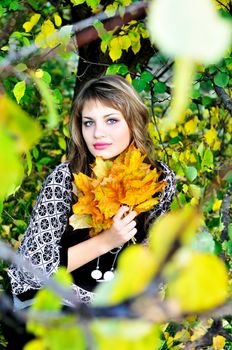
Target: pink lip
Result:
[[101, 145]]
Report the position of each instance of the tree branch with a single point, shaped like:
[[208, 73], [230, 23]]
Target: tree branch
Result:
[[207, 338], [224, 97], [225, 212], [83, 31]]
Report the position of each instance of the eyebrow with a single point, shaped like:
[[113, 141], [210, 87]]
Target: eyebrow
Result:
[[105, 116]]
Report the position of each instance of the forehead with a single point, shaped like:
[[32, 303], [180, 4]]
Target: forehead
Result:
[[99, 107]]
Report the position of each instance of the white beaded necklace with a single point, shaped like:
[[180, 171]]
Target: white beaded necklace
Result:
[[108, 275]]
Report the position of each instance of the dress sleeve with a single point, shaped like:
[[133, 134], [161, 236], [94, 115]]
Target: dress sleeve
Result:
[[40, 244], [166, 196]]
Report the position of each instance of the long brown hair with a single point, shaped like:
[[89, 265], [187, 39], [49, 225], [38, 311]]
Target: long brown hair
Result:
[[114, 91]]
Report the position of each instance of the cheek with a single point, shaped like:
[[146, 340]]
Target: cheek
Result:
[[126, 133], [85, 136]]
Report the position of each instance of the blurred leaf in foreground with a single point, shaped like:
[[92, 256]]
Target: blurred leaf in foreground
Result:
[[18, 133], [193, 33], [178, 225], [130, 278], [197, 281], [126, 334]]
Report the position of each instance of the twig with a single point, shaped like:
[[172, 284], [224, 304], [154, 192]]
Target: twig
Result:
[[224, 97], [156, 126], [225, 212]]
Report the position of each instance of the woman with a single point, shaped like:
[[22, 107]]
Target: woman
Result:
[[107, 116]]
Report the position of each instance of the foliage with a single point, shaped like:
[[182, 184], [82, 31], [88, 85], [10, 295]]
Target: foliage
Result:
[[127, 180], [37, 96]]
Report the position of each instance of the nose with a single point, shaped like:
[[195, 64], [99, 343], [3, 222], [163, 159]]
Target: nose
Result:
[[99, 130]]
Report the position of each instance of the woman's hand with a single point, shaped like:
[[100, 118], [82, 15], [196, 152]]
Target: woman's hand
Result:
[[122, 229]]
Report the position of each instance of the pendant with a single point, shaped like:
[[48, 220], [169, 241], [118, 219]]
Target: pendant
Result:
[[96, 274], [108, 275]]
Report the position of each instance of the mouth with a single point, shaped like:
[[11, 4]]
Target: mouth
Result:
[[101, 145]]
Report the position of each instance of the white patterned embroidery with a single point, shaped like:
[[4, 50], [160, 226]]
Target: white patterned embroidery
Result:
[[40, 244]]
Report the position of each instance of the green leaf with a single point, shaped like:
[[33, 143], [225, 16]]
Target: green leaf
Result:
[[19, 90], [206, 100], [227, 246], [14, 5], [175, 140], [11, 169], [159, 87], [1, 10], [46, 77], [228, 177], [221, 79], [190, 173], [124, 285], [77, 2], [58, 98], [230, 231], [44, 161], [125, 334], [53, 117], [63, 277], [34, 4], [93, 4], [24, 130], [207, 160], [62, 143], [117, 68], [102, 32], [35, 152], [139, 84], [47, 300], [147, 76], [29, 163], [21, 67]]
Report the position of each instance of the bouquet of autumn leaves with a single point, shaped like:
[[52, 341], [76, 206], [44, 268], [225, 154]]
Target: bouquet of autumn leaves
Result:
[[126, 180]]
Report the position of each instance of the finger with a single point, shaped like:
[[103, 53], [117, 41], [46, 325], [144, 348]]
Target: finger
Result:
[[122, 210], [131, 225], [132, 233], [128, 218]]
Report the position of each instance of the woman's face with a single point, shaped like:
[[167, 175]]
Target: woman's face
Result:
[[104, 130]]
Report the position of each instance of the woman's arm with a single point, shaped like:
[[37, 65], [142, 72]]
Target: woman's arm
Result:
[[122, 230], [40, 244]]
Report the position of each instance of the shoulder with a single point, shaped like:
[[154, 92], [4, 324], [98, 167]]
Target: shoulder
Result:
[[166, 196], [166, 174]]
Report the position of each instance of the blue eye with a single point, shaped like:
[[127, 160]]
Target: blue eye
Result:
[[112, 121], [88, 123]]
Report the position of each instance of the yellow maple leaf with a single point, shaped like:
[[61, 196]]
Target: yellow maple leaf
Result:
[[127, 180], [80, 221], [147, 205], [102, 167], [83, 182]]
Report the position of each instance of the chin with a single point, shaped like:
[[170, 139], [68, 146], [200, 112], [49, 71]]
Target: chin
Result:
[[104, 155]]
